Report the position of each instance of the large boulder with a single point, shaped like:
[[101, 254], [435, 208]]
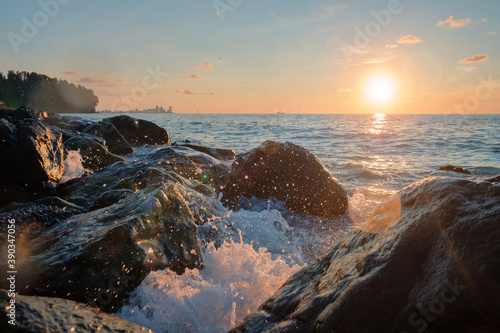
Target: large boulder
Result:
[[115, 142], [43, 314], [139, 131], [288, 173], [161, 165], [31, 156], [98, 257], [426, 261]]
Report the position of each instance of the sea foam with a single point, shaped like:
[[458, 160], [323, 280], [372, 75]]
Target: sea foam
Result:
[[73, 167], [235, 281]]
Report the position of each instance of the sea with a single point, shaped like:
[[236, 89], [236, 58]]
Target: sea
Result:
[[372, 156]]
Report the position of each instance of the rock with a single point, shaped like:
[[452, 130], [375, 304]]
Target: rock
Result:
[[109, 198], [455, 169], [494, 179], [432, 265], [22, 113], [31, 156], [115, 142], [221, 154], [94, 155], [98, 257], [161, 165], [43, 314], [288, 173], [139, 131]]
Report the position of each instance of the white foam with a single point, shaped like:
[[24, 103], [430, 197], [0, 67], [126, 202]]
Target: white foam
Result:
[[235, 281], [73, 167]]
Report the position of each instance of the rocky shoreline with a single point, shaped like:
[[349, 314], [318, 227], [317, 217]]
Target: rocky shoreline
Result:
[[93, 239]]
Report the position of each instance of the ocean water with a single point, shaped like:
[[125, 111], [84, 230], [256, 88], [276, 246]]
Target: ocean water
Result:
[[373, 156]]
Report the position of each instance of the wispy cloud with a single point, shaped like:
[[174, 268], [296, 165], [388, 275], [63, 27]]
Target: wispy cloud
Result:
[[206, 66], [492, 32], [475, 58], [71, 73], [484, 20], [391, 46], [192, 77], [451, 22], [192, 92], [409, 39], [101, 81]]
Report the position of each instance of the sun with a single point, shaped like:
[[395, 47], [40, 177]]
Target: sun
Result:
[[380, 90]]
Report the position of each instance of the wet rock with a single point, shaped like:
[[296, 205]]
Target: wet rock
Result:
[[31, 156], [109, 198], [139, 131], [221, 154], [455, 169], [22, 113], [94, 155], [426, 261], [98, 257], [494, 179], [288, 173], [115, 142], [43, 314], [161, 165]]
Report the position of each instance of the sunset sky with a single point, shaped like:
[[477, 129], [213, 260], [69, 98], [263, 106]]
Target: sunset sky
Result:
[[257, 56]]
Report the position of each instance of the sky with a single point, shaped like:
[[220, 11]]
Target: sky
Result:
[[257, 56]]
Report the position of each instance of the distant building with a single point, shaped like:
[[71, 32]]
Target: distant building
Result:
[[157, 109]]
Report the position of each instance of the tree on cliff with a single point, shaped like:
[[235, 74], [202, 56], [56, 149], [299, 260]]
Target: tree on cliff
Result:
[[41, 92]]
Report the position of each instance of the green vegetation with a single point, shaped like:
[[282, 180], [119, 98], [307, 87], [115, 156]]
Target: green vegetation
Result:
[[41, 92]]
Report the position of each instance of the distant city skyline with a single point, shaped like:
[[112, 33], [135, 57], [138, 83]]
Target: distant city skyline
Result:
[[258, 56]]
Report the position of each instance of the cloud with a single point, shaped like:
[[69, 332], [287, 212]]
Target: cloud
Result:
[[71, 73], [475, 58], [492, 32], [121, 80], [193, 77], [451, 22], [191, 92], [484, 20], [409, 39], [391, 46], [206, 66], [91, 80]]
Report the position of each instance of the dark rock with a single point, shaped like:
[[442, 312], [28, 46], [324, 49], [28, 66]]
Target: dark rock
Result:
[[162, 165], [288, 173], [455, 169], [31, 159], [109, 198], [494, 179], [32, 217], [221, 154], [139, 131], [428, 260], [98, 257], [94, 155], [115, 142], [44, 314], [22, 113]]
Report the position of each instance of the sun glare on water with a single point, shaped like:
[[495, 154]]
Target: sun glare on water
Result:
[[380, 90]]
